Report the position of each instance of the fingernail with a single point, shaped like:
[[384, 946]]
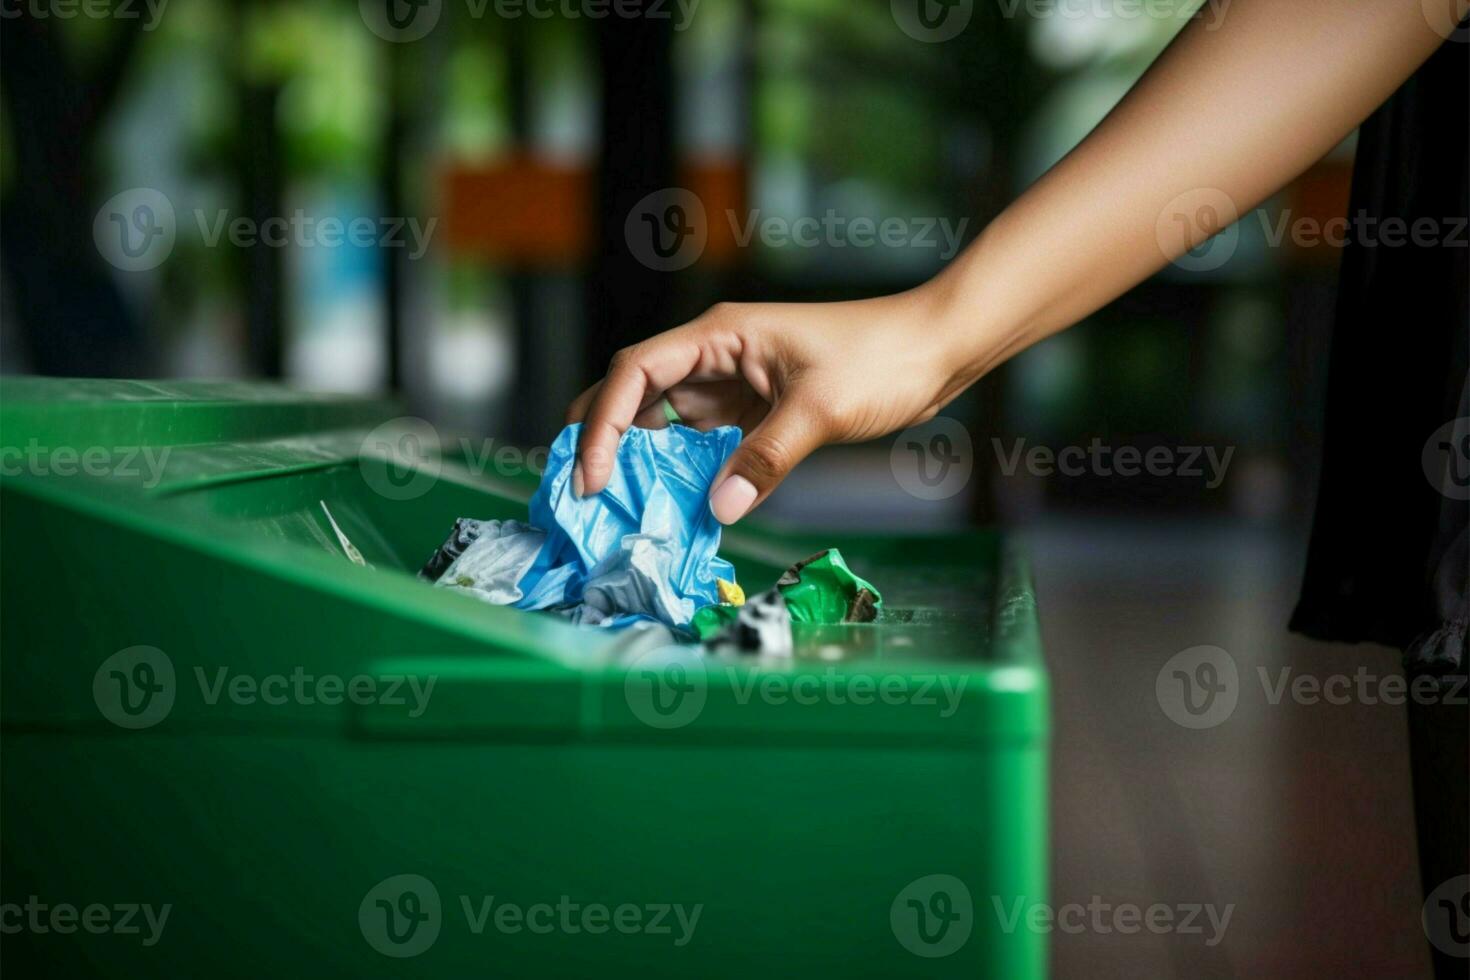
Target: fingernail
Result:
[[578, 486], [732, 499]]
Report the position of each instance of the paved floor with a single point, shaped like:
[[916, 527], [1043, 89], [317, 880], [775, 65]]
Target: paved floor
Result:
[[1294, 815]]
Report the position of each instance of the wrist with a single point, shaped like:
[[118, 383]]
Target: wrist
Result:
[[975, 318]]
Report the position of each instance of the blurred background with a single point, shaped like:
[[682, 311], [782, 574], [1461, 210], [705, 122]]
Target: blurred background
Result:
[[500, 154], [497, 149]]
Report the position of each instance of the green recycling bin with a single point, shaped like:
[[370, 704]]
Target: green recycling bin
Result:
[[242, 739]]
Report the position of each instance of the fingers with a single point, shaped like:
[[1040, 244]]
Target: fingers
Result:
[[789, 434], [706, 405], [638, 376], [652, 417], [577, 410]]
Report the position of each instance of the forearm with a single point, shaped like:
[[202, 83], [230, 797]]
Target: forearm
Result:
[[1224, 115]]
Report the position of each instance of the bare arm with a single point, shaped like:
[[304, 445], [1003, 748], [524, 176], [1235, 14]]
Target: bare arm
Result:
[[1228, 114], [1223, 119]]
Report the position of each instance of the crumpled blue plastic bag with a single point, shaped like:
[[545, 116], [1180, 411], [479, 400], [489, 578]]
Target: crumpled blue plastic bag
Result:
[[643, 548]]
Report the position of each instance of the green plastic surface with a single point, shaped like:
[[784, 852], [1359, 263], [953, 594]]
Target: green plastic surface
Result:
[[796, 803]]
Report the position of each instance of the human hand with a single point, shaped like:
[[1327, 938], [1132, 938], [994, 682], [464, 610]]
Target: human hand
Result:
[[792, 376]]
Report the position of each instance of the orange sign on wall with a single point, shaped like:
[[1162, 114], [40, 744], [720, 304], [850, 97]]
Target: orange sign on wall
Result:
[[532, 212]]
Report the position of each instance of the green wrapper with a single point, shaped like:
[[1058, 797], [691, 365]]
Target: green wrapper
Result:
[[713, 619], [822, 589]]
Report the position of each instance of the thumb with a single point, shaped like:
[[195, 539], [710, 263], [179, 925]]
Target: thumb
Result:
[[787, 436]]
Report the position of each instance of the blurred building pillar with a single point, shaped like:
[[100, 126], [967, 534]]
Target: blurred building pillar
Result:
[[71, 312], [261, 178], [626, 300], [390, 190]]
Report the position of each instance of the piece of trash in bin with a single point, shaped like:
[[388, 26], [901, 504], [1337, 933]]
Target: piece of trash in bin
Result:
[[730, 592], [822, 589], [712, 620], [464, 534], [761, 626], [493, 562], [643, 548], [348, 548]]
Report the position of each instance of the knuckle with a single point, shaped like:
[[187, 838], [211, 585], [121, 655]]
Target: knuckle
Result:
[[827, 410], [767, 458], [623, 359]]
